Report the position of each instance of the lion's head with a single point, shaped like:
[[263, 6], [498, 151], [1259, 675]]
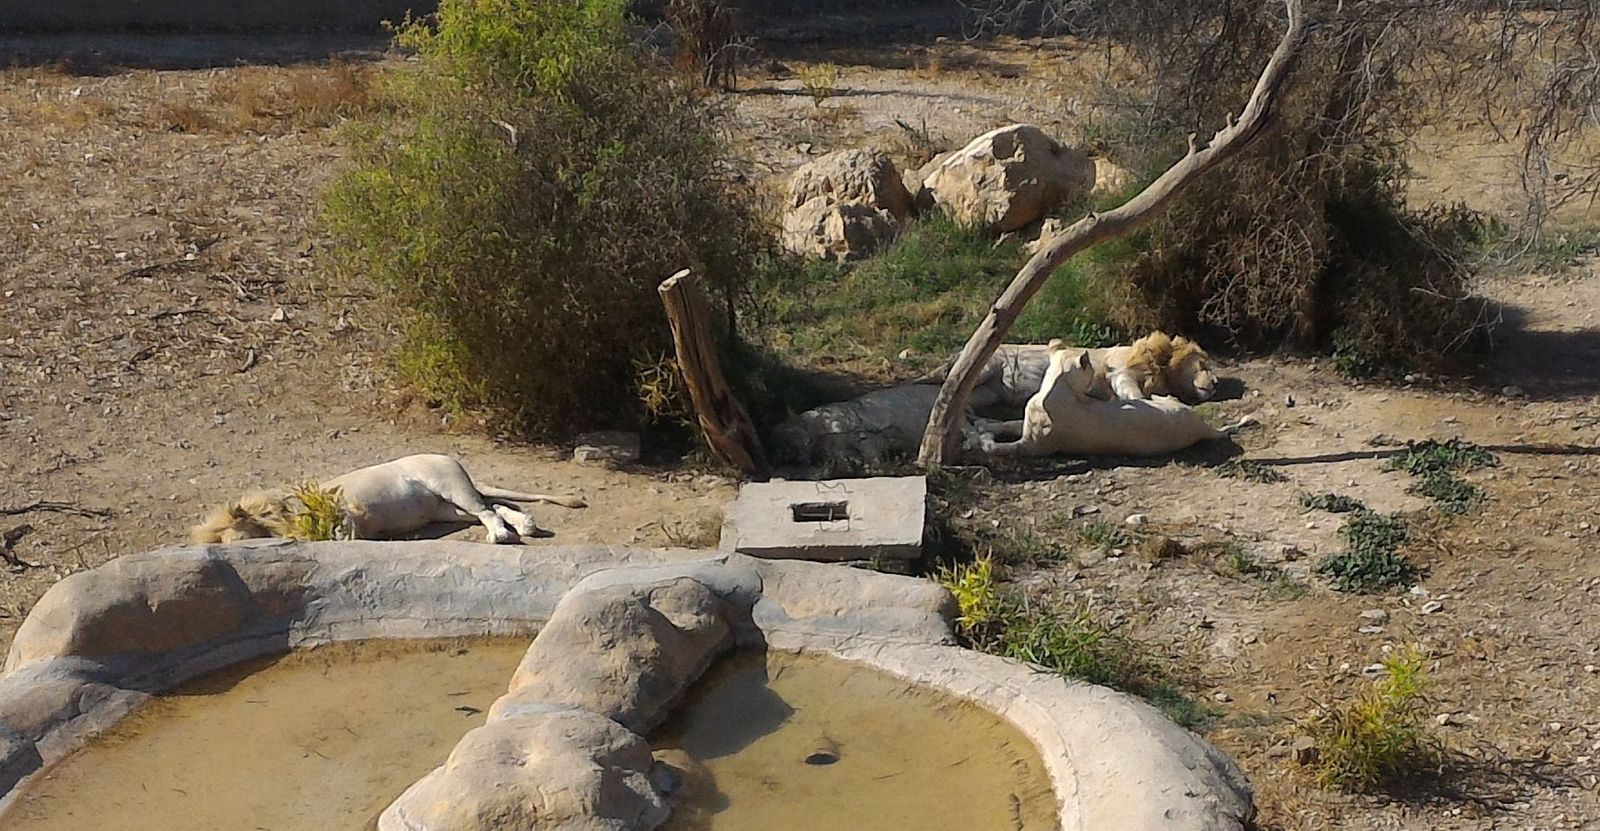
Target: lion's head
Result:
[[1188, 372], [255, 516]]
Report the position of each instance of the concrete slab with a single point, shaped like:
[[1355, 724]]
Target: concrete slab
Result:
[[830, 521]]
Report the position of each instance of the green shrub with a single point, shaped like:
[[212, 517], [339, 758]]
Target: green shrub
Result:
[[533, 182], [1250, 471], [1382, 735], [1431, 456]]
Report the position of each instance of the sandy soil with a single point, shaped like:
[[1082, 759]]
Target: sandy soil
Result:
[[166, 341]]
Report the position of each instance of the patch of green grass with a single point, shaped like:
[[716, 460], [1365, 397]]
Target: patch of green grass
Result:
[[1382, 735], [1102, 535], [1371, 560], [926, 291], [1177, 705], [1333, 503], [1250, 471], [1284, 587], [1550, 251], [1430, 456]]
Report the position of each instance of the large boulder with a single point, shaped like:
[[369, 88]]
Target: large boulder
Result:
[[827, 229], [626, 652], [868, 177], [564, 770], [1009, 178]]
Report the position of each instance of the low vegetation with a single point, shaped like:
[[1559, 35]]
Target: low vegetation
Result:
[[1434, 465], [924, 292], [1333, 503], [1069, 639], [1371, 560], [1250, 471], [322, 514], [535, 179], [1381, 736]]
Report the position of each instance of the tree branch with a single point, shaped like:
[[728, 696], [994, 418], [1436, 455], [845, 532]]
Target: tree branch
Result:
[[941, 439]]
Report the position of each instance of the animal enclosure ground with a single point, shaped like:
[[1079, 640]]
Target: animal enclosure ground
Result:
[[167, 341]]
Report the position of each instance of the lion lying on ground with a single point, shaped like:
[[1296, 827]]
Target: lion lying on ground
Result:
[[1156, 364], [1062, 417], [388, 501]]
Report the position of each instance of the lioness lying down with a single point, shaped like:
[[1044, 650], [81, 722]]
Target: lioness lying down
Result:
[[1062, 417], [388, 501]]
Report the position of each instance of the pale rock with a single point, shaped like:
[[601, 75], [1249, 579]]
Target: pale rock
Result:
[[1009, 178], [868, 177], [823, 228]]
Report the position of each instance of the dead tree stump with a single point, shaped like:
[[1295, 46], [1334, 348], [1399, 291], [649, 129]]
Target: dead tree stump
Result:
[[727, 426]]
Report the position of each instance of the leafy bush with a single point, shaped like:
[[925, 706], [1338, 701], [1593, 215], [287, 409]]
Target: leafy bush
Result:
[[977, 594], [534, 181], [1382, 735]]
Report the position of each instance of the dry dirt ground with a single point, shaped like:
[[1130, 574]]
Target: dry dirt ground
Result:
[[166, 341]]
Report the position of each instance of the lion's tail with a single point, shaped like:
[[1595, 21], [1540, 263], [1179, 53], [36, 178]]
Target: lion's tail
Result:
[[519, 496]]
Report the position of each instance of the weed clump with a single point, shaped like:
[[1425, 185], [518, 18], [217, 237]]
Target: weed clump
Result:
[[1333, 503], [1250, 472], [534, 180], [1382, 735], [1068, 639], [322, 514], [1435, 464], [1371, 560]]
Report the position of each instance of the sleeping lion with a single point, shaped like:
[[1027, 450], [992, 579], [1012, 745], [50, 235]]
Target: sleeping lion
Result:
[[388, 501]]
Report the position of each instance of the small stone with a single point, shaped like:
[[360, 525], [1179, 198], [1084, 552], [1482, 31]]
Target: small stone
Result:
[[1443, 719], [1091, 557], [279, 315], [1431, 607], [1370, 630], [904, 354], [1303, 751], [1374, 670], [1221, 698], [1375, 614], [804, 147], [1410, 379], [1290, 553], [1085, 510], [1511, 391], [1418, 591], [1591, 668], [1248, 639], [607, 447], [1137, 519]]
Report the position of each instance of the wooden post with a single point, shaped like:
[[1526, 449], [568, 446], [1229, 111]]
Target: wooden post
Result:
[[726, 424], [941, 439]]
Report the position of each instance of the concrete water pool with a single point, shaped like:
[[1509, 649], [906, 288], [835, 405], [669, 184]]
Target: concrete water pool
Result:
[[316, 739]]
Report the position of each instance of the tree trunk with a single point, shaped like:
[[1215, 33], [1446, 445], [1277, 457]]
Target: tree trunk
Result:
[[941, 440], [729, 432]]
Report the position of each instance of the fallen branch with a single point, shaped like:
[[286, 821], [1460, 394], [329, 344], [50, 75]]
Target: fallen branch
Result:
[[941, 440], [41, 505]]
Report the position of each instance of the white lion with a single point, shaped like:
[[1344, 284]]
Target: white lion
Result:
[[387, 501], [1063, 418], [1156, 364]]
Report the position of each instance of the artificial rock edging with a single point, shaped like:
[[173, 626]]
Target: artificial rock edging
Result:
[[101, 642]]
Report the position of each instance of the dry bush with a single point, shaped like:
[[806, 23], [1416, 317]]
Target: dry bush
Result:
[[710, 37], [318, 96], [185, 117], [1307, 238]]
